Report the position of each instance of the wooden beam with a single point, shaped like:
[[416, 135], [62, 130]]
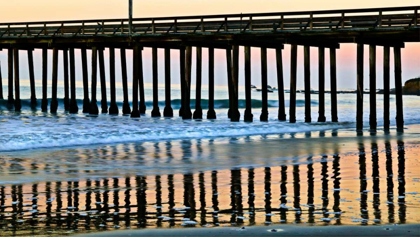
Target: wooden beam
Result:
[[321, 84], [264, 85], [293, 77], [307, 69], [142, 105], [93, 109], [198, 113], [155, 111], [86, 101], [168, 111], [360, 88], [113, 108], [32, 77], [44, 104], [18, 105], [235, 115], [248, 111], [387, 87], [186, 113], [10, 98], [398, 89], [126, 106], [333, 75], [372, 86], [211, 114], [136, 54], [66, 80], [54, 100], [104, 100], [280, 85], [74, 108]]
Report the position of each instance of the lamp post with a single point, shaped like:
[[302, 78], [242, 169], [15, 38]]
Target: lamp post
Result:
[[130, 15]]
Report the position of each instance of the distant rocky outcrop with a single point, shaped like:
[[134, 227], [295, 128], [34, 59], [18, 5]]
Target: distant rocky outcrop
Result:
[[412, 87]]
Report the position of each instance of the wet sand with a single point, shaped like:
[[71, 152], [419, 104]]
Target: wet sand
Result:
[[277, 230], [320, 183]]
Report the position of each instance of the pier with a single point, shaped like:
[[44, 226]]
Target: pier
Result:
[[390, 28]]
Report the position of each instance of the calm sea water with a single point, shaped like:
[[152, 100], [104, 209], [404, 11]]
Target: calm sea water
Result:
[[67, 174]]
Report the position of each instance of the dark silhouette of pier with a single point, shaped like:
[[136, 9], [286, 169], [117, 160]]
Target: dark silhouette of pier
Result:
[[384, 27]]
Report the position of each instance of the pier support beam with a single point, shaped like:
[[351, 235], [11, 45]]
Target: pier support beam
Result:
[[10, 99], [333, 82], [372, 86], [229, 78], [186, 113], [1, 85], [93, 109], [86, 102], [54, 101], [321, 84], [359, 110], [211, 114], [248, 111], [198, 113], [104, 100], [307, 62], [126, 106], [113, 108], [44, 103], [398, 88], [386, 87], [74, 108], [234, 114], [142, 105], [264, 84], [293, 76], [182, 78], [18, 104], [32, 77], [168, 111], [280, 85], [136, 54], [66, 80], [155, 111]]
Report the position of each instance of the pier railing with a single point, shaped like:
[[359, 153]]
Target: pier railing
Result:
[[312, 21]]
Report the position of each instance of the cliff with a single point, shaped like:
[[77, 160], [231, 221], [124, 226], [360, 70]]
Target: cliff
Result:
[[412, 87]]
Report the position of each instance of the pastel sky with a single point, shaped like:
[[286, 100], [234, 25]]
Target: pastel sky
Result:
[[40, 10]]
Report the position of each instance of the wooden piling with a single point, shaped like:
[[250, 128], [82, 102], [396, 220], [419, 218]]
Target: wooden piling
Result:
[[126, 106], [264, 84], [398, 88], [66, 80], [307, 70], [386, 87], [18, 104], [248, 100], [182, 78], [333, 78], [229, 78], [113, 108], [321, 84], [86, 102], [211, 114], [74, 108], [44, 103], [280, 85], [198, 113], [54, 100], [359, 110], [32, 77], [155, 111], [142, 105], [10, 99], [136, 53], [168, 112], [186, 113], [372, 86], [93, 109], [235, 115], [1, 85], [293, 77], [104, 100]]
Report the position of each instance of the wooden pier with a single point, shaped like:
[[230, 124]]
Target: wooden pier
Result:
[[326, 30]]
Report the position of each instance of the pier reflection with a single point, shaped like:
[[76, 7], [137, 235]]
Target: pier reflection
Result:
[[322, 190]]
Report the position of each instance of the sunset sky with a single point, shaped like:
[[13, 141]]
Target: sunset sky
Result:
[[40, 10]]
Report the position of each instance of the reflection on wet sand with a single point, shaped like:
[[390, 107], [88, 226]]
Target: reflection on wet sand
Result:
[[332, 194]]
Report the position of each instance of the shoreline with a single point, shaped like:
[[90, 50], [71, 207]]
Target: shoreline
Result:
[[274, 230]]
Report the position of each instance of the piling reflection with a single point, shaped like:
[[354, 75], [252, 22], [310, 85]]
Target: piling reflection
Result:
[[312, 192]]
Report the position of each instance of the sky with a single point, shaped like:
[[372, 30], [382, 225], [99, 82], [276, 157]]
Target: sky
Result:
[[47, 10]]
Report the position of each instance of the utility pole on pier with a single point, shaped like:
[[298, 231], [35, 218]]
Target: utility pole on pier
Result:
[[130, 15]]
